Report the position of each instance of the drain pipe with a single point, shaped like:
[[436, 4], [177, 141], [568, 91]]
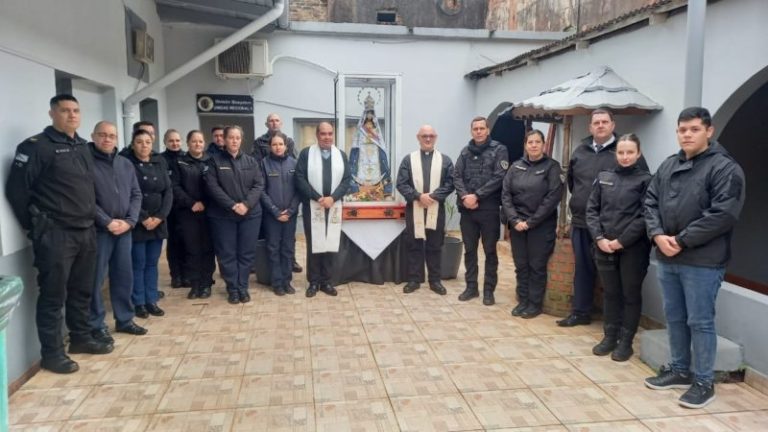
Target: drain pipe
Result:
[[130, 103], [694, 53]]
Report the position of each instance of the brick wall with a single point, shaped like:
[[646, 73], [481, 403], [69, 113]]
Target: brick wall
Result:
[[560, 269], [309, 10]]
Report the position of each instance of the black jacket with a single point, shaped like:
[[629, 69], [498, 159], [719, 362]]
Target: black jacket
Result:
[[306, 191], [261, 148], [279, 185], [583, 168], [231, 180], [118, 195], [189, 182], [615, 207], [480, 170], [532, 190], [407, 189], [53, 173], [698, 201], [171, 159], [212, 149], [157, 196]]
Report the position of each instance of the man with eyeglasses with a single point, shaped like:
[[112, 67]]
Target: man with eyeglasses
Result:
[[425, 179]]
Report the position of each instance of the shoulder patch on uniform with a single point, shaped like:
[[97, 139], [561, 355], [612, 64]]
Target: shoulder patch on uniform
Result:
[[504, 164], [21, 157]]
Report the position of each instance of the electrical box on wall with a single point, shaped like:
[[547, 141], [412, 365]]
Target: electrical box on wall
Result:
[[143, 47], [246, 59]]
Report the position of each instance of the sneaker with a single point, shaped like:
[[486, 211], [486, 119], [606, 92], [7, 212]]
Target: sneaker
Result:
[[668, 379], [698, 395]]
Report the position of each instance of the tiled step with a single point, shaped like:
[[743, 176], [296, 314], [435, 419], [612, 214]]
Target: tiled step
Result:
[[654, 350]]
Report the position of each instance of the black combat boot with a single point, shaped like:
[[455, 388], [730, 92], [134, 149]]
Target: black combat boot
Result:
[[609, 342], [623, 350]]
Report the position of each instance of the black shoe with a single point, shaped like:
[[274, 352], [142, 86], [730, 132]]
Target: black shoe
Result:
[[131, 328], [438, 288], [668, 379], [279, 291], [296, 267], [624, 351], [531, 311], [312, 290], [698, 396], [244, 297], [328, 289], [488, 298], [469, 294], [176, 282], [519, 308], [91, 346], [289, 289], [154, 310], [141, 311], [59, 365], [205, 292], [233, 297], [102, 335], [411, 287], [574, 320], [609, 341], [160, 294], [193, 293], [185, 283]]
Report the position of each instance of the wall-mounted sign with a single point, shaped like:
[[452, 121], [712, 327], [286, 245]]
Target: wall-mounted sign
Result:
[[224, 104]]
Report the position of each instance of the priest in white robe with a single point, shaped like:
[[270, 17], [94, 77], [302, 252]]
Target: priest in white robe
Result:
[[322, 179]]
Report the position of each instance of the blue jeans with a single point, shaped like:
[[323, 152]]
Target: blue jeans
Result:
[[145, 256], [689, 306], [113, 257]]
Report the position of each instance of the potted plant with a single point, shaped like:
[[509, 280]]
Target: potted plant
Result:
[[453, 247]]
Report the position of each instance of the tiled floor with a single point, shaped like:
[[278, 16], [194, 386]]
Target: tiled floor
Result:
[[371, 359]]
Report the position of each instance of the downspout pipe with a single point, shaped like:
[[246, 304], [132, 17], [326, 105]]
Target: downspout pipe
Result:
[[130, 103], [694, 52]]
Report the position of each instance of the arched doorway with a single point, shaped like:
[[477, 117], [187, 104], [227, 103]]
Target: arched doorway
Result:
[[507, 130]]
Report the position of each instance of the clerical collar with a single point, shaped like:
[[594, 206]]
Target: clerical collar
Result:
[[427, 153], [325, 153]]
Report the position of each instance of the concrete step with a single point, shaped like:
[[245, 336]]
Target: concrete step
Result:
[[654, 351]]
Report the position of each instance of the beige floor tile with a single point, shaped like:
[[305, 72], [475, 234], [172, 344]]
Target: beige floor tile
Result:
[[337, 336], [700, 423], [751, 421], [393, 333], [385, 316], [38, 427], [439, 413], [321, 318], [737, 397], [276, 321], [220, 342], [225, 324], [196, 421], [434, 314], [324, 302], [203, 394], [342, 358], [553, 428], [545, 325], [571, 345], [115, 424], [384, 301], [279, 418], [266, 362], [296, 303], [478, 312], [173, 326], [423, 297], [498, 328], [437, 331], [281, 339], [158, 346], [36, 406], [221, 308], [603, 370], [278, 389], [182, 308], [356, 416], [91, 372], [550, 372], [485, 376], [121, 400], [521, 348], [333, 386], [643, 402], [417, 380], [623, 426], [464, 351], [128, 370], [583, 404], [509, 408], [407, 354], [225, 364]]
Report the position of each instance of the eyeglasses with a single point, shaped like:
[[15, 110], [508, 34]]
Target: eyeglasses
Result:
[[428, 136], [106, 135]]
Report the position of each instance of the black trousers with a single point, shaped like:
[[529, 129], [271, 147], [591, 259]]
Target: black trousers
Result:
[[281, 245], [476, 225], [421, 250], [195, 236], [584, 272], [66, 265], [622, 274], [320, 265], [531, 251], [174, 247]]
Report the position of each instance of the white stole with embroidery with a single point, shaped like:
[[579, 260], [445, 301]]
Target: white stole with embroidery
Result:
[[418, 182], [326, 231]]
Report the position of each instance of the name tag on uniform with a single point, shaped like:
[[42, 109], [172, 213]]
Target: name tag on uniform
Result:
[[273, 174], [225, 168], [605, 182], [539, 172], [521, 168], [62, 150]]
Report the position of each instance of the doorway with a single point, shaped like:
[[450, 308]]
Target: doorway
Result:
[[245, 122]]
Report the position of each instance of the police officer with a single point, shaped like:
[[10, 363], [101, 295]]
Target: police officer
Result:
[[478, 178], [532, 190], [425, 179], [174, 248], [51, 192], [217, 140], [190, 207]]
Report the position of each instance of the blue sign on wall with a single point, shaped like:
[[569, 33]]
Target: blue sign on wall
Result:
[[224, 104]]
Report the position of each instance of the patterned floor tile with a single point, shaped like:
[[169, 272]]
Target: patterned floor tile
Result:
[[545, 325], [120, 400], [217, 308], [644, 403], [603, 370], [342, 358], [438, 413], [276, 321], [584, 404], [196, 421], [509, 408], [278, 418], [281, 339], [551, 372], [752, 421], [333, 386], [320, 318], [437, 331], [117, 424], [173, 326], [266, 362], [700, 423], [225, 324], [197, 395], [197, 366], [472, 312], [571, 345], [498, 328], [407, 354], [623, 426], [737, 397], [38, 427], [337, 336], [48, 405], [279, 389], [158, 346], [464, 351], [385, 316], [417, 380], [91, 372], [141, 369], [434, 314], [521, 348], [220, 342], [393, 333], [534, 429], [356, 416], [385, 301], [481, 377]]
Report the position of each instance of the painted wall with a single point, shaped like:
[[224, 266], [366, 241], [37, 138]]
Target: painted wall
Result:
[[652, 59], [85, 38]]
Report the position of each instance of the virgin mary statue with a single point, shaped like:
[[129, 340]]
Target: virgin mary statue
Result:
[[368, 160]]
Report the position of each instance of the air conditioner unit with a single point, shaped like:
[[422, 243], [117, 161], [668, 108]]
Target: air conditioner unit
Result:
[[246, 59], [143, 47]]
